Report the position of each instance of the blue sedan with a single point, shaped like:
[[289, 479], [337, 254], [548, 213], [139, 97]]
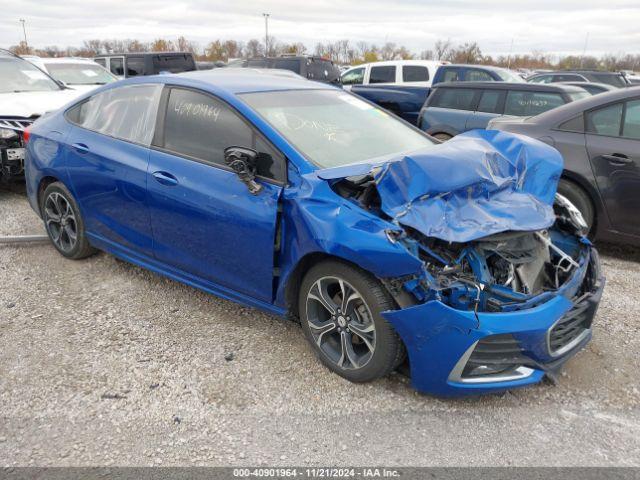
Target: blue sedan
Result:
[[294, 197]]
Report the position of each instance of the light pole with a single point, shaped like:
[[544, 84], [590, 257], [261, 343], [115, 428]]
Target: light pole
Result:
[[24, 31], [266, 34]]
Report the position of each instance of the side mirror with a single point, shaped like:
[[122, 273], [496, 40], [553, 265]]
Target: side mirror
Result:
[[243, 162]]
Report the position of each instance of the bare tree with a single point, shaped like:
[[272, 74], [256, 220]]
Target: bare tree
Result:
[[442, 49]]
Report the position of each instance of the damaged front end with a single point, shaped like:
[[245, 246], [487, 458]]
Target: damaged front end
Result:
[[12, 145], [509, 283]]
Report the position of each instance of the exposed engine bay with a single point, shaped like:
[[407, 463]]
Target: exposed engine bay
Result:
[[500, 272]]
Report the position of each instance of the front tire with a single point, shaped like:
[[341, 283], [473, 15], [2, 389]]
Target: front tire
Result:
[[64, 223], [340, 311]]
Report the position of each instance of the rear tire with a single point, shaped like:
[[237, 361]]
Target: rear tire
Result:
[[580, 200], [350, 337], [64, 223]]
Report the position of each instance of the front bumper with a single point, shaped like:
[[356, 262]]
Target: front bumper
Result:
[[444, 344], [12, 163]]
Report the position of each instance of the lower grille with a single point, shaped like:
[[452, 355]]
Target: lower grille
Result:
[[495, 355], [570, 329]]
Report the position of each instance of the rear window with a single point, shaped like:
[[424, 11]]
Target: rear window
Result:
[[322, 70], [609, 78], [415, 73], [524, 104], [385, 74], [257, 63], [173, 63], [450, 75], [475, 75], [455, 98]]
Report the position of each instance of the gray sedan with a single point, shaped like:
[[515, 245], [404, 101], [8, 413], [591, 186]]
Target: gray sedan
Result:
[[599, 138]]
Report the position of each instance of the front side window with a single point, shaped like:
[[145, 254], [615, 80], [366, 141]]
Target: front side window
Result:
[[18, 75], [475, 75], [333, 128], [201, 127], [79, 73], [127, 113], [116, 65], [524, 104], [382, 74], [135, 66], [606, 120], [353, 77], [455, 98], [631, 127], [490, 101], [415, 73]]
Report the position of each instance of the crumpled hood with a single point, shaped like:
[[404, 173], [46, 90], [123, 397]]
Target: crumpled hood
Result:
[[477, 184], [29, 104]]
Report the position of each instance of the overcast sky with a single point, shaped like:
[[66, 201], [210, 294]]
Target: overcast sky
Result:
[[552, 26]]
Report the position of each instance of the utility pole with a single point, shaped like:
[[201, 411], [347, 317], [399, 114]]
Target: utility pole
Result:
[[510, 50], [266, 33], [24, 31], [584, 51]]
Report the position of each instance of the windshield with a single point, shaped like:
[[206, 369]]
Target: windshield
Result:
[[17, 75], [509, 76], [613, 79], [333, 128], [79, 73]]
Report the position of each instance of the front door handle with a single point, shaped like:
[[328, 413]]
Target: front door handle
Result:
[[80, 148], [165, 178], [617, 159]]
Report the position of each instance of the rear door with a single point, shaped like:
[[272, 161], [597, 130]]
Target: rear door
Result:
[[490, 105], [107, 163], [205, 222], [613, 145]]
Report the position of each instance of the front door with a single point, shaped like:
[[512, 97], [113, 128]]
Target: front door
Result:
[[613, 145], [205, 221]]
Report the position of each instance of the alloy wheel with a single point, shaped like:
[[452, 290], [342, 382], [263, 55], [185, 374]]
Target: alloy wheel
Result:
[[341, 323], [60, 222]]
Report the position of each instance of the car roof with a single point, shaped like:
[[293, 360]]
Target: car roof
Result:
[[60, 59], [569, 110], [512, 86], [246, 80], [142, 54], [486, 67]]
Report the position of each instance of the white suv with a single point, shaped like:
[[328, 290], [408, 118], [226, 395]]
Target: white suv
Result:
[[79, 74], [26, 92], [410, 72]]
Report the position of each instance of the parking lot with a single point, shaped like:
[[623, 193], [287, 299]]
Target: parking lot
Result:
[[102, 362]]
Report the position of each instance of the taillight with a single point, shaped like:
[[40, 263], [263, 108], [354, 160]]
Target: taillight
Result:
[[25, 136]]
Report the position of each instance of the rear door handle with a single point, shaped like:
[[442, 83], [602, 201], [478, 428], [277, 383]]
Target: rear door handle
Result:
[[617, 159], [80, 147], [165, 178]]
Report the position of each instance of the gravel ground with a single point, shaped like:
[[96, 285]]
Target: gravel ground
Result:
[[104, 363]]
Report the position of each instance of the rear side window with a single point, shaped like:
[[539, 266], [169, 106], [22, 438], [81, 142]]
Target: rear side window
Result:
[[127, 113], [415, 73], [135, 66], [385, 74], [576, 124], [605, 121], [490, 101], [631, 127], [455, 98], [201, 127], [353, 77], [116, 65], [475, 75], [524, 104]]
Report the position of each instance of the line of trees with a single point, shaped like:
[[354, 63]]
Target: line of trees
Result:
[[342, 52]]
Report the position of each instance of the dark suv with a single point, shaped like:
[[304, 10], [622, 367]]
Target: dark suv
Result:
[[453, 108], [313, 68], [610, 78], [125, 65]]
